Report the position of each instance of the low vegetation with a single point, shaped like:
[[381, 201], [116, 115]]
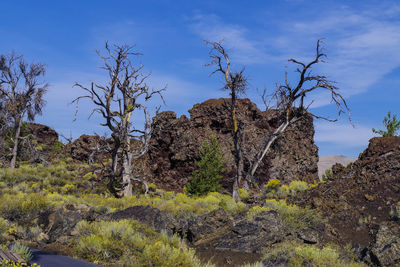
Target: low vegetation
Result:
[[210, 167], [298, 254], [129, 243], [33, 188], [293, 216], [274, 188]]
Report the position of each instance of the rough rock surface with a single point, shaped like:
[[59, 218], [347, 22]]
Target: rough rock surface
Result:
[[56, 224], [385, 249], [217, 229], [81, 148], [175, 144], [153, 217], [62, 222], [252, 235], [43, 134], [359, 197]]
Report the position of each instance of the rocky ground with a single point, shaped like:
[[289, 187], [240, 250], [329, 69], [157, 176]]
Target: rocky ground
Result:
[[360, 200], [357, 208]]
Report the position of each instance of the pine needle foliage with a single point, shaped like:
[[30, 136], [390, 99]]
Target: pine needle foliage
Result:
[[210, 167], [392, 126]]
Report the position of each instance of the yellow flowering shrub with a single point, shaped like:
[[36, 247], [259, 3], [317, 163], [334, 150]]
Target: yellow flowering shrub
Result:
[[300, 254], [295, 217]]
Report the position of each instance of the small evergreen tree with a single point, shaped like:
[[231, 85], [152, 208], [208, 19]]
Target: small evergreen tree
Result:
[[209, 170], [392, 126]]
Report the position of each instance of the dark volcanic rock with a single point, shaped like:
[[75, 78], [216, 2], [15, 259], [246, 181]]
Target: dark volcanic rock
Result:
[[385, 250], [359, 197], [252, 235], [210, 227], [83, 147], [63, 221], [160, 220], [175, 144], [42, 134]]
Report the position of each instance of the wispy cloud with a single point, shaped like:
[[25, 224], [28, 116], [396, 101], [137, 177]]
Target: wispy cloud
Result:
[[245, 48], [343, 134], [362, 45]]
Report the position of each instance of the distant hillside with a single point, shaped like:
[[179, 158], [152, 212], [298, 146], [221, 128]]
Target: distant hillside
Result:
[[326, 162]]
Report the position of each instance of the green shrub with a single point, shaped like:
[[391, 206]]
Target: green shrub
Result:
[[299, 254], [297, 186], [21, 204], [209, 170], [129, 243], [57, 146], [23, 251], [327, 175], [243, 194], [272, 184], [392, 126], [3, 226], [254, 211], [274, 189], [293, 216], [5, 263]]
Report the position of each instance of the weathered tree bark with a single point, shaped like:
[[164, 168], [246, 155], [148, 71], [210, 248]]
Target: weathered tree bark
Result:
[[236, 83], [116, 101], [16, 142], [287, 97], [260, 156], [21, 93], [289, 102]]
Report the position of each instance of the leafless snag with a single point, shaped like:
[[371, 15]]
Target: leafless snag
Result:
[[236, 84], [290, 101], [21, 93], [115, 101]]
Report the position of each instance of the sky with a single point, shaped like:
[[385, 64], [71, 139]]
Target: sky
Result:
[[361, 40]]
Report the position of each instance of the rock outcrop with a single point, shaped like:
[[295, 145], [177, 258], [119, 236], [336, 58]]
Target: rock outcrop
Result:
[[358, 200], [85, 147], [218, 229], [176, 142], [43, 134]]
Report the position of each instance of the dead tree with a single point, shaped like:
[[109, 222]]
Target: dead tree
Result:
[[21, 92], [290, 101], [116, 101], [235, 83]]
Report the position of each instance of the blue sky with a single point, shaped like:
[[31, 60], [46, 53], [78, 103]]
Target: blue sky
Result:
[[362, 41]]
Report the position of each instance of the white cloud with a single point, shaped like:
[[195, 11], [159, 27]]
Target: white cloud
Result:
[[245, 49], [343, 134], [362, 45]]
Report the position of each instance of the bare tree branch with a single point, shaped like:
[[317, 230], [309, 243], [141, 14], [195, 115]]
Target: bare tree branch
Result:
[[21, 93], [116, 101]]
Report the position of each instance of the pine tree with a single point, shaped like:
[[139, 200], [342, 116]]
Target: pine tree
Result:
[[210, 167], [392, 126]]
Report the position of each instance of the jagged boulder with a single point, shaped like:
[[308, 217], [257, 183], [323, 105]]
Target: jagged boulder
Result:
[[385, 249], [43, 134], [176, 142], [85, 147], [359, 198], [153, 217], [218, 229], [251, 235]]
